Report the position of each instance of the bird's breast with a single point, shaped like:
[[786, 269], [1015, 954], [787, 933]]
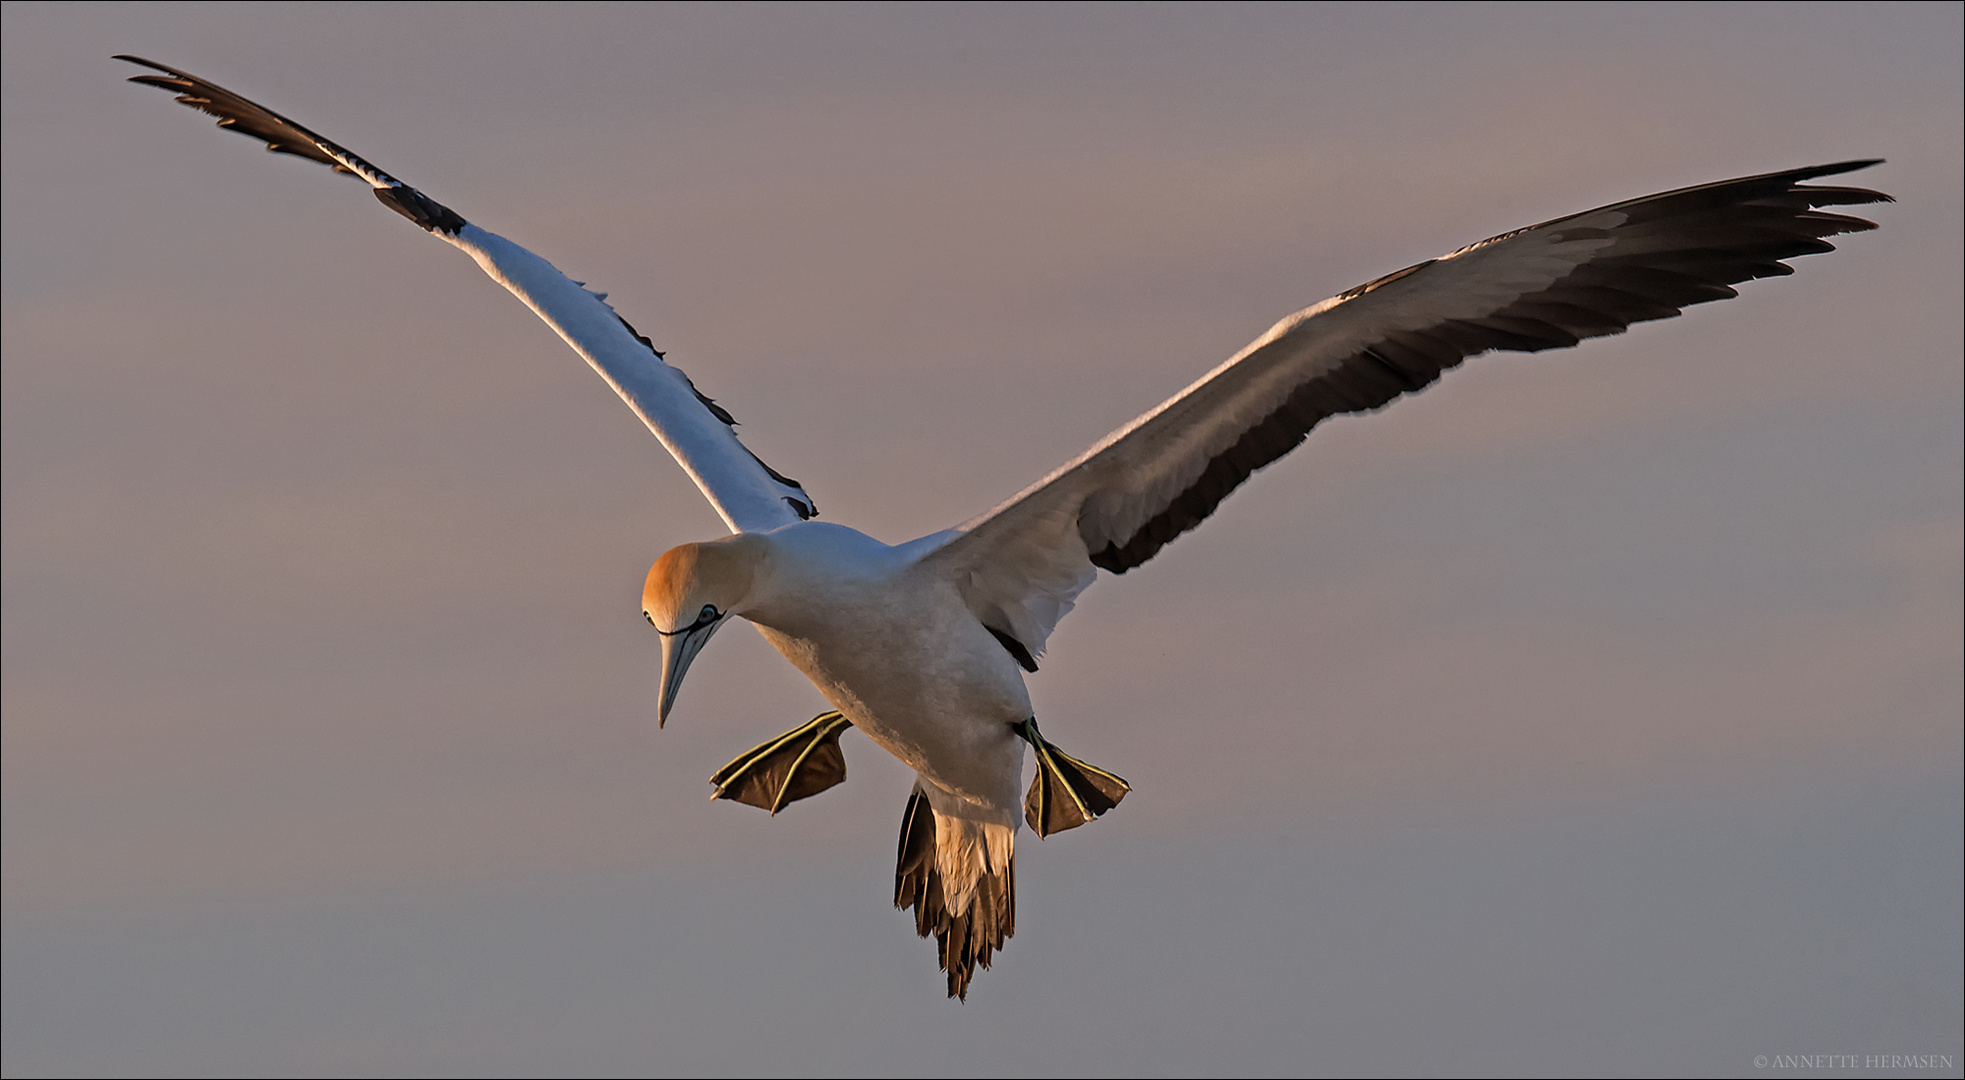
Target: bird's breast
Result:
[[910, 665]]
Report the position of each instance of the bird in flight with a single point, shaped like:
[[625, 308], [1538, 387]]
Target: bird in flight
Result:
[[923, 646]]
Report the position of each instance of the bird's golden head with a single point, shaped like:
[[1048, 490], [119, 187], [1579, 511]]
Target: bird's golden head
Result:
[[688, 580], [690, 593]]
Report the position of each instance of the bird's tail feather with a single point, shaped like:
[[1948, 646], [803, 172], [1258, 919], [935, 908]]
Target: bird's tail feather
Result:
[[959, 876]]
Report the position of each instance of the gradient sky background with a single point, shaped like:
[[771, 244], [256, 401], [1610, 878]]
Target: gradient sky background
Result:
[[1595, 710]]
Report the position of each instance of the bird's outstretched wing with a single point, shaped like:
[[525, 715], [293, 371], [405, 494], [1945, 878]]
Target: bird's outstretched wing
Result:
[[748, 494], [1544, 287]]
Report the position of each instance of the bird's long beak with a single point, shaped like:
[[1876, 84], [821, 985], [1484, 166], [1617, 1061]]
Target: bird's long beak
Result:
[[677, 652]]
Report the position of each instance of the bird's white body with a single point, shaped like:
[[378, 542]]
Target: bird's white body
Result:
[[892, 645], [923, 646]]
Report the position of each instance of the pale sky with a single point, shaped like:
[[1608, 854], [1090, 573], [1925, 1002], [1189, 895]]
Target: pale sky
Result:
[[1595, 710]]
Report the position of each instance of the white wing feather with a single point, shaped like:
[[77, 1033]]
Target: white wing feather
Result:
[[746, 493]]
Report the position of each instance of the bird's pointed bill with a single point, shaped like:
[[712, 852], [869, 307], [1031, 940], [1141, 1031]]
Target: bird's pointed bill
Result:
[[678, 651]]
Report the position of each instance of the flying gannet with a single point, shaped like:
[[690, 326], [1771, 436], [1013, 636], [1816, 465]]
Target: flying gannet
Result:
[[923, 646]]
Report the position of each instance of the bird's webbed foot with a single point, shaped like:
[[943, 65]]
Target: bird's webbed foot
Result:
[[796, 765], [1066, 792]]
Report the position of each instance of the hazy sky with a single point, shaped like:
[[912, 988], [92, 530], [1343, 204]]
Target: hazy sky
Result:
[[1594, 710]]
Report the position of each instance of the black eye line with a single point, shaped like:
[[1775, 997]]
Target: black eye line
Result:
[[710, 614]]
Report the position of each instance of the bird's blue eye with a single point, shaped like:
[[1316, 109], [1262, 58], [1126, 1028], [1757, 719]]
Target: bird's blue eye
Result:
[[709, 612]]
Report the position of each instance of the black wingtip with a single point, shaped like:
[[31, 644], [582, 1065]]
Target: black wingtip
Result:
[[1837, 167], [1856, 195], [127, 58], [426, 212], [243, 116]]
